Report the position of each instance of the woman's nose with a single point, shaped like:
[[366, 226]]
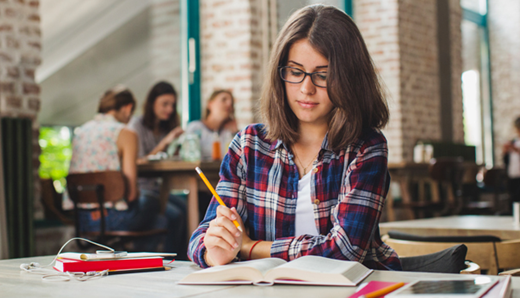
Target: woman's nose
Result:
[[307, 86]]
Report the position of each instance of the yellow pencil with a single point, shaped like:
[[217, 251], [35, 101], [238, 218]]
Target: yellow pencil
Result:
[[215, 194], [383, 291]]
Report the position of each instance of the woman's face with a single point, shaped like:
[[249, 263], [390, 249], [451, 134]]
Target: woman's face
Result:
[[221, 107], [311, 104], [164, 106]]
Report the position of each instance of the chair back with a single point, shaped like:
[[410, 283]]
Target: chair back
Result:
[[108, 186], [447, 169], [495, 177]]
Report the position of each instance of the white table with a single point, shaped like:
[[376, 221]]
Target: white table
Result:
[[16, 283], [463, 225]]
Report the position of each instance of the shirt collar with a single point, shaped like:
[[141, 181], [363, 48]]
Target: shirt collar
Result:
[[105, 117], [324, 145]]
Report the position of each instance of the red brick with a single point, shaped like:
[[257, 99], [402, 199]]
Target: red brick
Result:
[[5, 57], [34, 104], [29, 73], [7, 87], [14, 102], [13, 72], [12, 43], [34, 17], [6, 28], [10, 13], [29, 88], [35, 44]]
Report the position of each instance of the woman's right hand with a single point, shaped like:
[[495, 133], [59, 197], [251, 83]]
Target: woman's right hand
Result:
[[223, 240], [172, 135]]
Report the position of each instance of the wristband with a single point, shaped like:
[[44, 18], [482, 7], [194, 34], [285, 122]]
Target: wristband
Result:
[[251, 250]]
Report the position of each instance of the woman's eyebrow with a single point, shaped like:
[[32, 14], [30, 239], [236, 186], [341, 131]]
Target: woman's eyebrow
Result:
[[321, 66]]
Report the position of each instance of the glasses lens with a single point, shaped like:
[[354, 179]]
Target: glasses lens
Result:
[[319, 79], [292, 75]]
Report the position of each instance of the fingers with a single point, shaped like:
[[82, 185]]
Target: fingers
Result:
[[231, 215], [217, 236], [222, 232]]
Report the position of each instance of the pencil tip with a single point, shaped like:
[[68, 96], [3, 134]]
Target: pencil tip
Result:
[[198, 170], [240, 229]]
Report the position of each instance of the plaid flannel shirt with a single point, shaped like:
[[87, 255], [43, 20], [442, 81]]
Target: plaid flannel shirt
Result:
[[348, 187]]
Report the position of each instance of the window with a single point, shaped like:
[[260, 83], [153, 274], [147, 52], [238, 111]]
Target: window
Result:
[[476, 84]]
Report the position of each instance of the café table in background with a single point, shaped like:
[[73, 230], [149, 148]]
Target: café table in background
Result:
[[462, 225], [178, 174]]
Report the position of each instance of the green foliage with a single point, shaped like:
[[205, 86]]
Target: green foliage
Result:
[[55, 143]]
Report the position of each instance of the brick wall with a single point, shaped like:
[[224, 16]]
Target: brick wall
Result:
[[231, 53], [456, 69], [401, 36], [20, 50], [378, 23], [504, 32]]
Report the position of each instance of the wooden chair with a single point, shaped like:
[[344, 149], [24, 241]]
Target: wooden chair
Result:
[[495, 179], [489, 252], [99, 188], [446, 175]]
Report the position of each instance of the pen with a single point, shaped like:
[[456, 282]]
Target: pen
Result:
[[215, 194], [383, 291]]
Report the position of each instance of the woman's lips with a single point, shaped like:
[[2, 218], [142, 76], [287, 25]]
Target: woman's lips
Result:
[[307, 104]]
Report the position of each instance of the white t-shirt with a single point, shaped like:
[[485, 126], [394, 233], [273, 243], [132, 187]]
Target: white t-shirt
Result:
[[206, 138], [513, 171], [304, 223]]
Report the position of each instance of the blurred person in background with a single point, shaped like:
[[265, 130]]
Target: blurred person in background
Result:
[[511, 154], [215, 131], [218, 124], [156, 129], [105, 144]]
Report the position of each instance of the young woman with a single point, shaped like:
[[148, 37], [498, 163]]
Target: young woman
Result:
[[156, 129], [119, 153], [159, 125], [218, 123], [511, 156], [313, 179]]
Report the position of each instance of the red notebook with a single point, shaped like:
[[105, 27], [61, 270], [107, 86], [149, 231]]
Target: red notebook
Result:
[[64, 265], [371, 287]]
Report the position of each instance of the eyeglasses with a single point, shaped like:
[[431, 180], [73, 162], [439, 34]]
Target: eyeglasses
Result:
[[295, 75]]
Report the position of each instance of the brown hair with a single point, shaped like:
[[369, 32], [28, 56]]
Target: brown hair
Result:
[[517, 123], [212, 98], [149, 117], [352, 82], [115, 99]]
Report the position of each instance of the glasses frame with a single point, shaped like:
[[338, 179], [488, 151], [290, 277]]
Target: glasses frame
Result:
[[310, 74]]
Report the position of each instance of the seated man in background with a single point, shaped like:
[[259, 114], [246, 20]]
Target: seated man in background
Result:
[[105, 144]]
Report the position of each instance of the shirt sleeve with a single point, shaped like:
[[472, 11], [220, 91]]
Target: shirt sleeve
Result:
[[355, 218], [230, 188]]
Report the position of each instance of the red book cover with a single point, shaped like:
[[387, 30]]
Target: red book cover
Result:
[[64, 265]]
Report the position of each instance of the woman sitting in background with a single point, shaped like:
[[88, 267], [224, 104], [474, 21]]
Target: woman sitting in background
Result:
[[218, 124], [156, 129], [159, 125], [105, 144]]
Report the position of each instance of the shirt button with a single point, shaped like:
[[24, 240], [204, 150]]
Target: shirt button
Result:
[[316, 201], [316, 170]]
